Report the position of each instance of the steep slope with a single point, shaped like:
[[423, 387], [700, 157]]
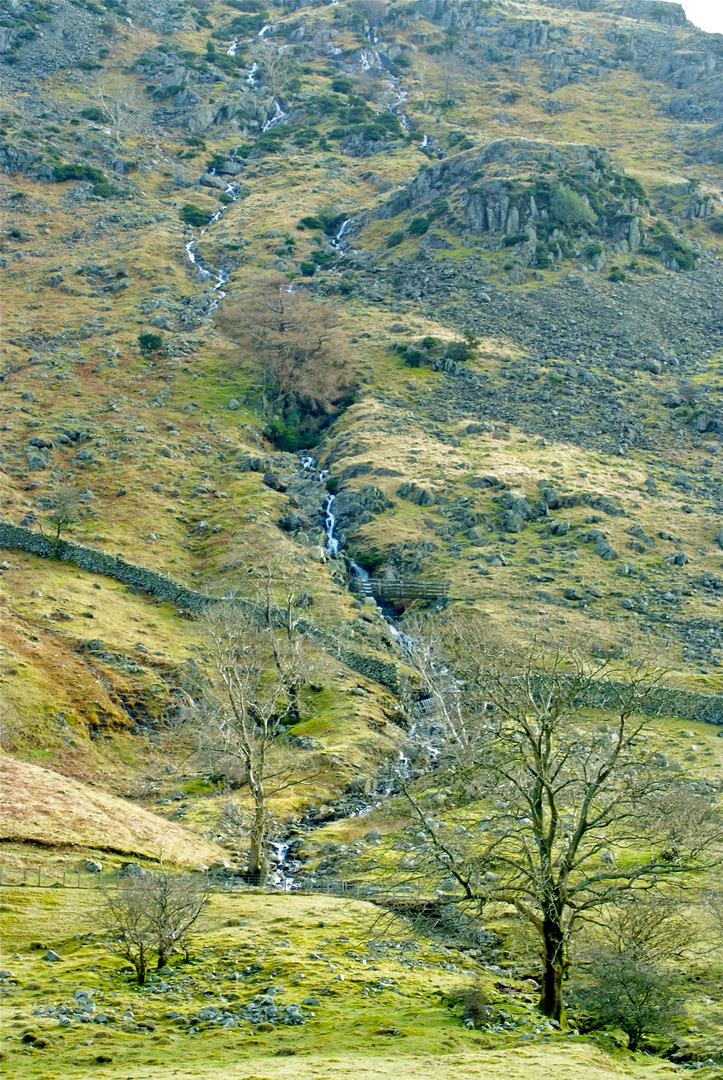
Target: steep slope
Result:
[[39, 807], [512, 217]]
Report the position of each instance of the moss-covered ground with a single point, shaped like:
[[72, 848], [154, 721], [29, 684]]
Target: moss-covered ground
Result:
[[381, 1000]]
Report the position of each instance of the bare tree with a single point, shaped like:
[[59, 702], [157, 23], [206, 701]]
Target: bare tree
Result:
[[281, 607], [535, 804], [374, 11], [242, 721], [123, 108], [177, 902], [64, 511], [153, 913], [275, 66], [453, 77], [629, 983], [425, 73], [300, 346], [126, 918]]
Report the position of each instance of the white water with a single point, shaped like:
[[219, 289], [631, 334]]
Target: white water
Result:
[[282, 876], [336, 242], [251, 77], [332, 543], [264, 30], [220, 275], [231, 50], [368, 59], [278, 116]]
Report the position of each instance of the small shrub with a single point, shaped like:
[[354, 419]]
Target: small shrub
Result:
[[286, 436], [93, 112], [716, 224], [570, 208], [459, 350], [413, 357], [515, 238], [630, 993], [616, 274], [193, 215], [369, 559], [311, 222], [542, 256], [76, 171], [308, 269], [418, 226], [225, 198], [474, 1001], [104, 190], [150, 343], [89, 65], [593, 249], [342, 86]]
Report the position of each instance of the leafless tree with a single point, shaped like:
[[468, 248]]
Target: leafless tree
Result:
[[242, 720], [425, 73], [274, 65], [123, 108], [281, 606], [299, 344], [453, 74], [536, 804], [628, 981], [64, 511], [153, 913], [374, 11]]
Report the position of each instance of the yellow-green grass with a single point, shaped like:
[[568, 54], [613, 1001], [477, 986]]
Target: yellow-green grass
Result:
[[521, 463], [44, 808], [351, 1027]]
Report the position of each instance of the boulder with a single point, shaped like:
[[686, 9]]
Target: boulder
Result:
[[207, 180]]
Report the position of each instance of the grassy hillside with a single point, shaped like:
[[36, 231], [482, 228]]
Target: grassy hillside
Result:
[[467, 258]]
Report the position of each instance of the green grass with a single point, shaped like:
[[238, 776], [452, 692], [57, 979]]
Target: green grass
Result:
[[379, 994]]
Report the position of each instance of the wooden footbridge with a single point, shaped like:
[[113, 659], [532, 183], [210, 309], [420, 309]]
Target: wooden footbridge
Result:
[[404, 590]]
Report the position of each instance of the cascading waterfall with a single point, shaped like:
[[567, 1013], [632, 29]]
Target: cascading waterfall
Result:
[[336, 242], [278, 116], [220, 275], [285, 863]]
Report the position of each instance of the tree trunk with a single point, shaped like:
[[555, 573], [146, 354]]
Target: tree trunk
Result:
[[140, 964], [294, 710], [551, 1000], [257, 863]]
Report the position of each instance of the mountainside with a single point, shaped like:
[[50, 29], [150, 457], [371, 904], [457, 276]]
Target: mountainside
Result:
[[428, 293]]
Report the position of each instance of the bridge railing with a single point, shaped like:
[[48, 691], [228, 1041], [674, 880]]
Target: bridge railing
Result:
[[402, 590]]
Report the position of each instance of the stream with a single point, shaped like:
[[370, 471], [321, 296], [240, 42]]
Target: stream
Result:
[[285, 863], [221, 274]]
